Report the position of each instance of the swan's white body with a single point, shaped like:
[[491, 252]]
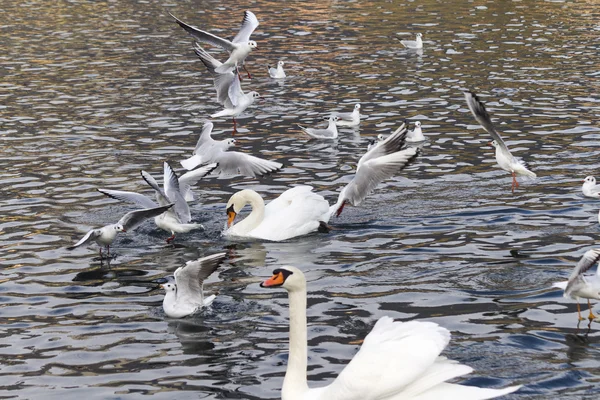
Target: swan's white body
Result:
[[277, 73], [589, 188], [416, 135], [397, 360], [413, 44], [349, 119]]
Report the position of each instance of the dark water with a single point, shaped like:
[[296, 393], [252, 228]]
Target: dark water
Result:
[[92, 92]]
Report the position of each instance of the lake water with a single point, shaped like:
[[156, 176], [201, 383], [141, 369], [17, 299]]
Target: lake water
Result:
[[92, 92]]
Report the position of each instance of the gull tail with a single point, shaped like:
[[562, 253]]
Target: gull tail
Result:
[[560, 285]]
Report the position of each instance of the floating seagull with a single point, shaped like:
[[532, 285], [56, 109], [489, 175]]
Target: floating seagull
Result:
[[581, 286], [589, 188], [349, 119], [413, 44], [106, 235], [278, 72], [239, 48], [397, 360], [185, 295], [176, 190], [505, 159], [228, 163], [299, 211], [330, 132], [416, 135], [375, 142]]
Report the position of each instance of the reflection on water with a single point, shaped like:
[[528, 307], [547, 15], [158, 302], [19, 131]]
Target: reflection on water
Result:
[[95, 91]]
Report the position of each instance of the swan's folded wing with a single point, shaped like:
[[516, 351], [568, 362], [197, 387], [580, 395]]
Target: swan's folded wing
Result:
[[91, 235], [236, 163], [175, 196], [190, 278], [249, 24], [283, 201], [393, 355], [133, 219], [589, 259], [129, 197], [204, 36], [483, 117]]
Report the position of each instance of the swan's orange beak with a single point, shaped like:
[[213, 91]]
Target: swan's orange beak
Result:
[[275, 280], [230, 216]]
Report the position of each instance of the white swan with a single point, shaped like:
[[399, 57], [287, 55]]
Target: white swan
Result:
[[299, 211], [397, 360]]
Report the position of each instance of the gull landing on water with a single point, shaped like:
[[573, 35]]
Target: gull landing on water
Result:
[[581, 286], [413, 44], [504, 158]]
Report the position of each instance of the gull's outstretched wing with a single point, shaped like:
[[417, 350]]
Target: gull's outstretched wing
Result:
[[190, 278], [204, 36], [129, 197], [174, 195], [91, 235], [589, 259], [133, 219], [483, 117], [389, 145], [249, 24], [234, 163]]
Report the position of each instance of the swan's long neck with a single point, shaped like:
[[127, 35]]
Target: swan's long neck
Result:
[[256, 216], [294, 383]]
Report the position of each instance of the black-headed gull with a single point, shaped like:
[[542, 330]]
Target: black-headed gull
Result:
[[299, 211], [504, 158], [397, 360], [239, 48], [236, 102], [349, 119], [229, 163], [416, 135], [277, 72], [413, 44], [581, 286], [176, 190], [589, 188], [330, 132], [185, 295], [106, 235], [375, 142]]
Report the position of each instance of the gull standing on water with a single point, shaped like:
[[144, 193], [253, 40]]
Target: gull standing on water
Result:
[[229, 163], [581, 286], [106, 235], [278, 72], [349, 119], [589, 188], [185, 295], [239, 48], [413, 44], [397, 360], [505, 159], [330, 132]]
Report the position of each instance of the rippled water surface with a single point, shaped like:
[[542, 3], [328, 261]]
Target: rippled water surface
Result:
[[92, 92]]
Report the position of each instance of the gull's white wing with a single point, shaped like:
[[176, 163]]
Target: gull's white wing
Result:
[[205, 136], [319, 133], [209, 61], [589, 259], [249, 24], [222, 82], [370, 174], [161, 196], [204, 36], [129, 197], [175, 196], [234, 163], [392, 356], [235, 92], [484, 119], [133, 219], [389, 145], [191, 178], [190, 278], [91, 235]]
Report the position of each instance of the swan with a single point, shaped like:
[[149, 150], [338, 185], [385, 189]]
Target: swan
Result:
[[397, 360], [299, 211]]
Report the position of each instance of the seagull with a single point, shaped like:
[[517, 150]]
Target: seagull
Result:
[[330, 132], [176, 190], [223, 81], [413, 44], [581, 286], [416, 135], [397, 360], [106, 235], [236, 102], [504, 158], [349, 119], [185, 295], [278, 72], [375, 142], [239, 48], [228, 163], [589, 188]]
